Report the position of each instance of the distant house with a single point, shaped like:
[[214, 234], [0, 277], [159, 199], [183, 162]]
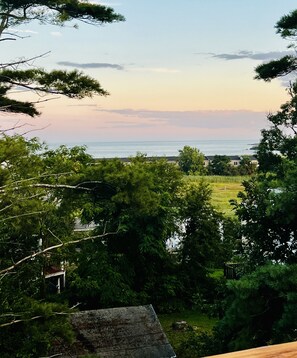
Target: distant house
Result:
[[234, 159], [79, 227], [126, 332], [55, 277], [253, 159]]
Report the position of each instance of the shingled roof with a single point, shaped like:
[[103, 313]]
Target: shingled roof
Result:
[[130, 332]]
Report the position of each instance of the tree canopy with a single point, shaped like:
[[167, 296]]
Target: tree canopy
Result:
[[191, 160], [268, 207], [73, 84], [57, 12]]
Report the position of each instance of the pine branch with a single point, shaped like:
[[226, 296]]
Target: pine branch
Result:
[[24, 61]]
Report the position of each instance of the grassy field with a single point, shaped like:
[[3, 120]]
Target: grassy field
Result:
[[195, 319], [224, 188]]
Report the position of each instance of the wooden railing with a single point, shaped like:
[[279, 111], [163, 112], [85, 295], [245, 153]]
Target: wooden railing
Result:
[[285, 350]]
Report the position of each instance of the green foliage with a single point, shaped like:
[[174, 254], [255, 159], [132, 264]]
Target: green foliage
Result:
[[73, 84], [141, 212], [200, 247], [40, 324], [17, 12], [246, 166], [273, 69], [34, 215], [198, 322], [268, 216], [191, 160], [280, 139], [286, 26], [261, 309], [223, 189], [221, 165], [197, 345], [268, 206]]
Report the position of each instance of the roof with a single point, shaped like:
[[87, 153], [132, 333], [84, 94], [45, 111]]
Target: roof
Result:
[[230, 157], [130, 332]]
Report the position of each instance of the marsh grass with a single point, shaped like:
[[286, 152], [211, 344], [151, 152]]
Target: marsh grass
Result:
[[224, 188]]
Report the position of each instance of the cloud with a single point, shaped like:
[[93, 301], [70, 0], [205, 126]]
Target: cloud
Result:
[[259, 56], [195, 119], [120, 124], [91, 65], [118, 67], [156, 69]]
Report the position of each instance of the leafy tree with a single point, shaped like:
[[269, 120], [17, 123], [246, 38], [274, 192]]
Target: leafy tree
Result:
[[56, 12], [280, 139], [268, 206], [37, 216], [201, 244], [261, 309], [220, 165], [268, 216], [246, 166], [191, 160], [141, 213], [73, 84]]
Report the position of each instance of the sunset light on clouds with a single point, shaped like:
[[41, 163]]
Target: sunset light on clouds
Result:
[[174, 70]]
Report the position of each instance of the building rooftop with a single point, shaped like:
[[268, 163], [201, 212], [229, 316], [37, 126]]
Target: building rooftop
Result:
[[128, 332]]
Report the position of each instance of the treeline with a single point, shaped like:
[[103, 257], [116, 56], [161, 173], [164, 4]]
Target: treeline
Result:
[[192, 162]]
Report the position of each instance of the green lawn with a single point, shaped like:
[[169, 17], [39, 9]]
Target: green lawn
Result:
[[195, 319], [224, 188]]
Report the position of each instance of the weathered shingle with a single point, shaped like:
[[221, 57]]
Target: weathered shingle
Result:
[[130, 332]]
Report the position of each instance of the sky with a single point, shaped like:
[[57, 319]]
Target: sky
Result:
[[175, 70]]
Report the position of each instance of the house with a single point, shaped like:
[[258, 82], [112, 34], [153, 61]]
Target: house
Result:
[[55, 273], [127, 332], [234, 159], [55, 277]]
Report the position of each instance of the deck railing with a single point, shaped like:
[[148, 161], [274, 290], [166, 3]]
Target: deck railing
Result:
[[285, 350]]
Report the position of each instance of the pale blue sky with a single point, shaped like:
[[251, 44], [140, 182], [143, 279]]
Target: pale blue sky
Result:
[[176, 69]]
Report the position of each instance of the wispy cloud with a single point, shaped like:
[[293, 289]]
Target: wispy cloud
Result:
[[121, 124], [91, 65], [259, 56], [195, 119]]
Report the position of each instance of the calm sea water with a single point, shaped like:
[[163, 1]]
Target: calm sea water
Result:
[[165, 148]]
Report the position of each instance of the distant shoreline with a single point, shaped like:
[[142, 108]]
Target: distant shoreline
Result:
[[234, 159], [164, 148]]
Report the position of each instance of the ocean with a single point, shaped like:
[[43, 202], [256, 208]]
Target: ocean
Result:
[[165, 148]]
